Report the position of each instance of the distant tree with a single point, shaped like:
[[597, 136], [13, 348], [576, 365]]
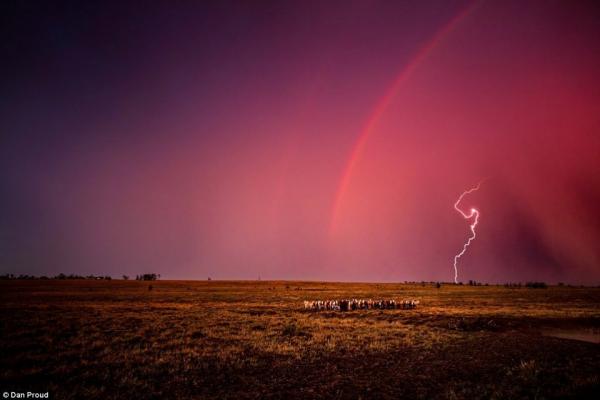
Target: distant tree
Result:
[[438, 285], [536, 285], [125, 277]]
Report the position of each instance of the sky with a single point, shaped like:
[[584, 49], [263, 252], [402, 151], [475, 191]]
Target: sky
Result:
[[302, 140]]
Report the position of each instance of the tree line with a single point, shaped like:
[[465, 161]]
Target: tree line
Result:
[[61, 276]]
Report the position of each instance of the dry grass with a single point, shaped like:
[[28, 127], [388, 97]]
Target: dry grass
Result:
[[117, 339]]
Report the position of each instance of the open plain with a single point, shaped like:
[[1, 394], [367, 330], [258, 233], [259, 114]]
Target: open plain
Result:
[[253, 339]]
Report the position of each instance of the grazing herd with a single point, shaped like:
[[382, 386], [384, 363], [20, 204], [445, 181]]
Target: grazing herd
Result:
[[359, 304]]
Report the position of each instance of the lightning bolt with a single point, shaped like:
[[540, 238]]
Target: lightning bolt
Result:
[[473, 213]]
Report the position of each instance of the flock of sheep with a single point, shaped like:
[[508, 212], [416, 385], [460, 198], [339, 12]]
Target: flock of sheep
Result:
[[359, 304]]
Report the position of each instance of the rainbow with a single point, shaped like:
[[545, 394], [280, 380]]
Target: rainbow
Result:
[[381, 107]]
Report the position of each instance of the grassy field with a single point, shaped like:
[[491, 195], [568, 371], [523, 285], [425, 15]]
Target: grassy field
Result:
[[238, 340]]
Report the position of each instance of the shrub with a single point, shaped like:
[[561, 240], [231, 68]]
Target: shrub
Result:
[[293, 330]]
